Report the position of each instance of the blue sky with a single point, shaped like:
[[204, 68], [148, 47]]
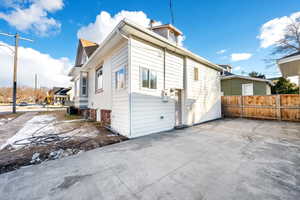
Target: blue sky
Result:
[[209, 26]]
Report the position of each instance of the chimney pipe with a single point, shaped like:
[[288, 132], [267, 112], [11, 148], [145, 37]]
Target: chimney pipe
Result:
[[151, 23]]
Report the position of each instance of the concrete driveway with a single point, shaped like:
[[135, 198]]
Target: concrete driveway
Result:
[[224, 159]]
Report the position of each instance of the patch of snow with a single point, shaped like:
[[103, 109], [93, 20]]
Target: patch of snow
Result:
[[38, 125], [56, 154], [35, 158]]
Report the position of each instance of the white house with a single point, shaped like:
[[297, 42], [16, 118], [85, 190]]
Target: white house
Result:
[[290, 67], [143, 82]]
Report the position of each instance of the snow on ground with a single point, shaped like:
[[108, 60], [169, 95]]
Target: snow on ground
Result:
[[48, 124], [38, 125]]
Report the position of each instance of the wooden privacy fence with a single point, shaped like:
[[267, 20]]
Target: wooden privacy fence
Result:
[[278, 107]]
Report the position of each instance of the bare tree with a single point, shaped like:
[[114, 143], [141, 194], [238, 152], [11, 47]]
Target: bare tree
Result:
[[290, 43]]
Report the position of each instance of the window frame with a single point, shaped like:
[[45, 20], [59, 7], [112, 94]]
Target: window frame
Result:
[[149, 73], [116, 78], [244, 85], [196, 74], [84, 76], [98, 70]]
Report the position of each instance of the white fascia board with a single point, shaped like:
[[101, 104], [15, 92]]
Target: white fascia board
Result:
[[288, 59]]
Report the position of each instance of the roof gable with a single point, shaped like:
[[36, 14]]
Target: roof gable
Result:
[[87, 47]]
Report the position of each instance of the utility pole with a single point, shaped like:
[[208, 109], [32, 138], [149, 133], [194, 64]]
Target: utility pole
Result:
[[35, 88], [17, 38]]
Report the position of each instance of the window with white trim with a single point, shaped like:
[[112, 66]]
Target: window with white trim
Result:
[[99, 79], [196, 74], [120, 78], [247, 89], [84, 83], [148, 78]]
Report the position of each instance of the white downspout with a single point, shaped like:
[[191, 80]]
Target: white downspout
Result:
[[129, 86], [164, 69], [129, 78]]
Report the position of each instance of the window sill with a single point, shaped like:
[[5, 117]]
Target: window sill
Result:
[[148, 89]]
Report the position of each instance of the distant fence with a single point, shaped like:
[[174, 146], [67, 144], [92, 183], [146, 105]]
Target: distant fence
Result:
[[277, 107]]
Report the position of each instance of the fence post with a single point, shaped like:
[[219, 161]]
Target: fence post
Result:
[[242, 106], [278, 107]]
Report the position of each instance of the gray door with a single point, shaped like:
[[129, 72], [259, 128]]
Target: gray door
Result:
[[178, 112]]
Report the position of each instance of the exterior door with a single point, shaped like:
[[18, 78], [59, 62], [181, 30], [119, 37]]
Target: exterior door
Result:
[[247, 89], [178, 111]]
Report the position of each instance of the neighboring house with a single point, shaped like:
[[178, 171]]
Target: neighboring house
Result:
[[144, 82], [85, 50], [226, 70], [245, 85], [290, 67], [232, 84], [58, 96]]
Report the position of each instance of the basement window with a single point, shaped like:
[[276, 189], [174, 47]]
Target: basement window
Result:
[[149, 78]]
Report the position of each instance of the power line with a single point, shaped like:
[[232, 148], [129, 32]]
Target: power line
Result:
[[171, 12]]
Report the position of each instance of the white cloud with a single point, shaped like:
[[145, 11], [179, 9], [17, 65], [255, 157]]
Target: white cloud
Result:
[[50, 71], [273, 30], [33, 15], [221, 51], [105, 23], [240, 56], [237, 68]]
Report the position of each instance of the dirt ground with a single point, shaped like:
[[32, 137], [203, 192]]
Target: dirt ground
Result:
[[52, 135]]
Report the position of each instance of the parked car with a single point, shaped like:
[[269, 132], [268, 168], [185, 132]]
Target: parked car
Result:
[[23, 104]]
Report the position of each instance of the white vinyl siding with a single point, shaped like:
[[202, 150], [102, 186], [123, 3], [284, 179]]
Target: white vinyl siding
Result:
[[77, 85], [120, 78], [203, 97], [174, 71], [120, 98], [149, 114], [100, 100]]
